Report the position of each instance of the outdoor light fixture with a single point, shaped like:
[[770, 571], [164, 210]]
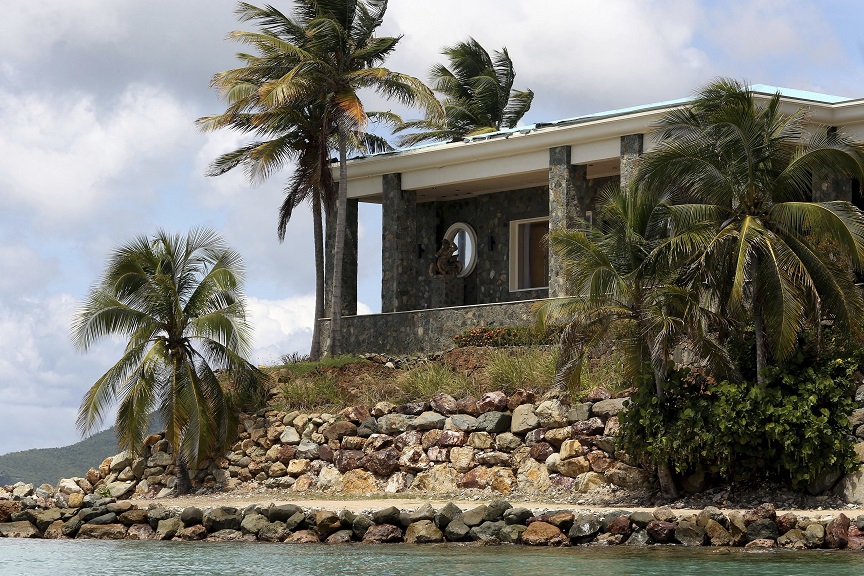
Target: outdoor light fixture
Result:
[[420, 251], [491, 243]]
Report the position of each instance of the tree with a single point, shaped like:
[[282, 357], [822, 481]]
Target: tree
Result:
[[748, 225], [478, 96], [620, 281], [178, 299], [336, 56], [286, 134]]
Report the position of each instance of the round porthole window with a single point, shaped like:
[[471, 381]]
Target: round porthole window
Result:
[[463, 236]]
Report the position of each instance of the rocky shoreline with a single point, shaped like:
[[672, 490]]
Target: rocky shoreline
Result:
[[495, 522]]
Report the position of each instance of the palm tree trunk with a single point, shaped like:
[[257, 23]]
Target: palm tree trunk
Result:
[[318, 233], [664, 472], [339, 248], [184, 483], [761, 349]]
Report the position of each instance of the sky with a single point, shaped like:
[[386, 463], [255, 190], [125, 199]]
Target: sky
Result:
[[98, 144]]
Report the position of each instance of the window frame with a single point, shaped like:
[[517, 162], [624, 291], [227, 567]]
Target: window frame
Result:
[[513, 279]]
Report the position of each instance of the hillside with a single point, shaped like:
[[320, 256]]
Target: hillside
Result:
[[48, 465]]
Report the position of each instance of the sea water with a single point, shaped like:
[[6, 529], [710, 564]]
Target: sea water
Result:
[[20, 557]]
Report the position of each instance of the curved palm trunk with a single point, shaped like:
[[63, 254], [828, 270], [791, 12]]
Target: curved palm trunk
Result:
[[339, 248], [761, 349], [184, 483], [664, 472], [318, 233]]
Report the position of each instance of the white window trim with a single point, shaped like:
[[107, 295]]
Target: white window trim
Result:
[[472, 236], [514, 248]]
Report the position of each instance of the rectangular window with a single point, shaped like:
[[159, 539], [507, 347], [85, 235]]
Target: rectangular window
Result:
[[529, 256]]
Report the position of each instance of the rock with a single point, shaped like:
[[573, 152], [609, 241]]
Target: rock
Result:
[[570, 449], [447, 514], [586, 525], [102, 531], [443, 403], [511, 533], [475, 516], [456, 530], [75, 500], [689, 534], [192, 533], [462, 458], [786, 522], [346, 460], [544, 534], [340, 537], [589, 481], [339, 429], [507, 442], [440, 479], [290, 436], [694, 482], [382, 408], [837, 532], [855, 538], [414, 458], [552, 414], [55, 531], [717, 534], [762, 529], [109, 518], [359, 481], [120, 489], [282, 512], [45, 517], [69, 486], [661, 531], [480, 440], [411, 408], [641, 519], [638, 538], [382, 462], [464, 422], [579, 412], [764, 511], [591, 427], [423, 532], [368, 427], [307, 449], [492, 401], [395, 423], [140, 532], [761, 543], [273, 532], [619, 525], [19, 529], [487, 532], [451, 438], [356, 414], [382, 534], [168, 528], [574, 467], [814, 535], [606, 409], [493, 459], [856, 418], [327, 523], [557, 436], [478, 478], [429, 421], [303, 537], [398, 482], [825, 482], [494, 422], [628, 477], [793, 538], [533, 476], [523, 419], [541, 451], [252, 523], [222, 518], [737, 527], [664, 514], [389, 515], [851, 487]]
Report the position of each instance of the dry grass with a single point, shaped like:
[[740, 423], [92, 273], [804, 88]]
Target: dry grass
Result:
[[532, 368]]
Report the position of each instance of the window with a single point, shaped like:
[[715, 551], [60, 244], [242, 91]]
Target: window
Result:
[[465, 239], [529, 256]]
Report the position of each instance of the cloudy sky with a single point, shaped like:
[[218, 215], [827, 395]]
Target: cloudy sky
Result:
[[97, 143]]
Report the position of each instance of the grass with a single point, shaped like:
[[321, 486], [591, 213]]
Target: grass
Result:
[[425, 381], [318, 390], [532, 368], [303, 366]]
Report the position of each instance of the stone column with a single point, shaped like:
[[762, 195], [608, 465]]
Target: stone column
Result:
[[349, 262], [398, 245], [631, 150], [827, 187], [568, 186]]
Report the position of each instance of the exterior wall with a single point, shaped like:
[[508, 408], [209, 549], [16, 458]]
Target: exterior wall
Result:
[[423, 330], [490, 216]]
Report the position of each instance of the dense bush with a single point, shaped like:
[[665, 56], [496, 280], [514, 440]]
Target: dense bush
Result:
[[794, 428], [497, 336]]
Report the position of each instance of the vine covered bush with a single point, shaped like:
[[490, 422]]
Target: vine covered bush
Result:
[[498, 336], [794, 428]]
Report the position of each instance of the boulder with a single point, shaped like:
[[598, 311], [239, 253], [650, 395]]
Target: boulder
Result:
[[192, 533], [282, 512], [851, 487], [443, 403], [456, 530], [290, 436], [606, 409], [140, 532], [395, 423], [440, 479], [552, 414], [762, 529], [543, 534], [661, 531], [382, 462], [303, 537], [814, 535], [339, 429], [423, 532], [252, 523], [717, 534], [507, 442], [462, 458], [451, 438], [120, 489], [492, 401], [19, 529], [327, 523], [69, 486], [793, 538], [168, 528], [511, 533], [494, 422], [487, 532], [429, 421], [464, 422], [589, 481], [628, 477], [591, 427], [523, 419], [273, 532], [382, 534], [689, 533], [102, 531], [222, 518], [414, 458], [359, 481], [837, 532], [346, 460]]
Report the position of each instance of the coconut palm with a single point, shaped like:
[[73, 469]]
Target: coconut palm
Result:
[[753, 235], [178, 299], [334, 55], [619, 280], [478, 96]]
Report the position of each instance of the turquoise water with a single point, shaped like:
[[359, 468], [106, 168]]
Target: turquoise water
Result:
[[128, 558]]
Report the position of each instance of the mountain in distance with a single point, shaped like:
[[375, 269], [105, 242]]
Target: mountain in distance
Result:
[[48, 465]]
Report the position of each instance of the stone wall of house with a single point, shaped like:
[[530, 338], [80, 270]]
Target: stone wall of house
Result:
[[422, 331], [490, 216]]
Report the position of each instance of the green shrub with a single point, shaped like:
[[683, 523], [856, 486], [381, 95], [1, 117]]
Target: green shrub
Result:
[[527, 367], [793, 428], [508, 336]]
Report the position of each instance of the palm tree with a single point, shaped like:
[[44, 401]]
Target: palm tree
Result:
[[478, 96], [179, 301], [335, 56], [619, 280], [749, 227]]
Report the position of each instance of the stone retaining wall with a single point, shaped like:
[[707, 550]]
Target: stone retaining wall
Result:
[[493, 523], [423, 331]]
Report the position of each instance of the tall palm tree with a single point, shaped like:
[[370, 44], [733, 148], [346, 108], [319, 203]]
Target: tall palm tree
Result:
[[753, 235], [178, 299], [619, 278], [336, 55], [478, 96], [286, 134]]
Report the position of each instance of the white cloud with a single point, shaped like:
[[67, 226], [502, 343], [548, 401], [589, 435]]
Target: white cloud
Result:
[[64, 160]]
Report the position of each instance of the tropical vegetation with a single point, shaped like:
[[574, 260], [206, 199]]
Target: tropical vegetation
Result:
[[178, 300], [477, 95]]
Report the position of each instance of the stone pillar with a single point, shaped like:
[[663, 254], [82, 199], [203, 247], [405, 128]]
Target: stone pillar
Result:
[[568, 186], [398, 245], [827, 187], [349, 262], [631, 150]]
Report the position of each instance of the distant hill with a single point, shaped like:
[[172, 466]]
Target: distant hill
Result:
[[48, 465]]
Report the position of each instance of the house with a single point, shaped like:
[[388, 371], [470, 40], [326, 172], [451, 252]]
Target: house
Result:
[[496, 196]]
